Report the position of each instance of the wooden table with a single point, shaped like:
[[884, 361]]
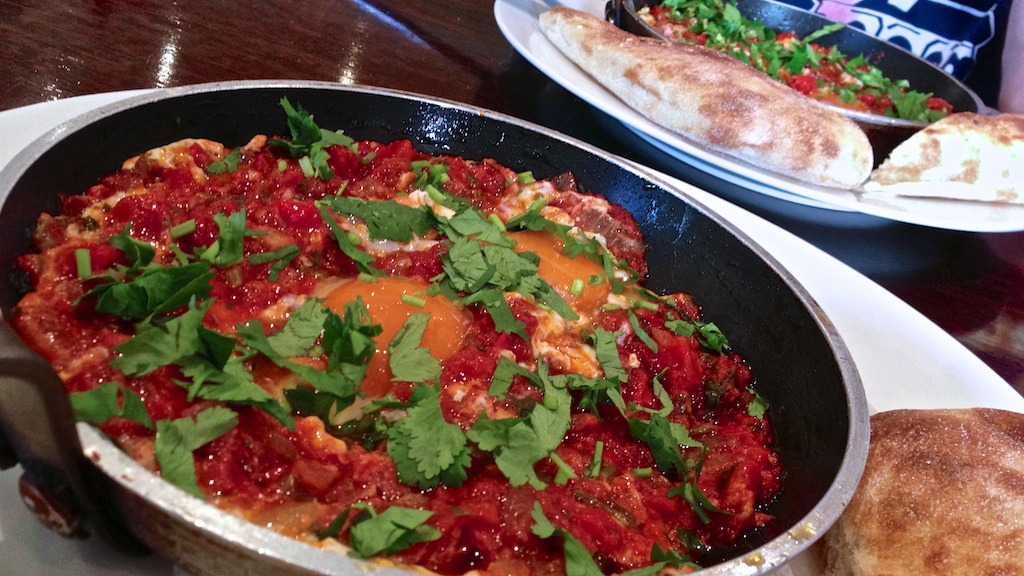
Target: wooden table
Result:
[[972, 285]]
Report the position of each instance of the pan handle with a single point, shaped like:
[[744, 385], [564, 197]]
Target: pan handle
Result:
[[37, 430]]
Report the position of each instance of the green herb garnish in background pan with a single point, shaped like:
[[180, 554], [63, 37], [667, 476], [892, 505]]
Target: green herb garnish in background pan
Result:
[[820, 72]]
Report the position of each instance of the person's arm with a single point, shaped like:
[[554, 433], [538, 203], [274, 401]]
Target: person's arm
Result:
[[1011, 91]]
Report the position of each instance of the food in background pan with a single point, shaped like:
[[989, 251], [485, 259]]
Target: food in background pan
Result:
[[821, 72], [430, 359], [716, 101]]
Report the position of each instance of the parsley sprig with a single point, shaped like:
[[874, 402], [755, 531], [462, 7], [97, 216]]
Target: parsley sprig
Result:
[[390, 531], [309, 142]]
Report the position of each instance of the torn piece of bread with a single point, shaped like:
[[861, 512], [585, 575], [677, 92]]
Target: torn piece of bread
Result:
[[964, 156], [942, 493]]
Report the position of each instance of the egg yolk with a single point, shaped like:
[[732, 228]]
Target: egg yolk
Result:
[[561, 271], [383, 299]]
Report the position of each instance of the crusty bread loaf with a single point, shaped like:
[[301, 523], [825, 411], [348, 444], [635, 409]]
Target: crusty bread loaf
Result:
[[942, 493], [715, 100]]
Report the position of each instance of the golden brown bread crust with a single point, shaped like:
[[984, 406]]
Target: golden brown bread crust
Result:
[[942, 493], [979, 157], [715, 100]]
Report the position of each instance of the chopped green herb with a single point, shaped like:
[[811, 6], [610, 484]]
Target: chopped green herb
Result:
[[389, 532], [280, 257], [160, 344], [100, 404], [410, 362], [519, 443], [185, 228], [83, 263], [386, 219], [641, 333], [425, 448], [757, 407], [308, 142], [595, 464], [177, 439], [361, 258], [227, 248], [228, 164], [578, 560]]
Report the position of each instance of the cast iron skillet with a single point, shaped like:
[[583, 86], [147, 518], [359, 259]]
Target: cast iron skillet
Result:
[[885, 133], [802, 366]]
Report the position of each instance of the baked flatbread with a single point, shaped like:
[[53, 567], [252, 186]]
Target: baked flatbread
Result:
[[942, 493], [715, 100], [964, 156]]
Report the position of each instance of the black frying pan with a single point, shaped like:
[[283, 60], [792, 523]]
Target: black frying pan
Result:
[[895, 62], [801, 365]]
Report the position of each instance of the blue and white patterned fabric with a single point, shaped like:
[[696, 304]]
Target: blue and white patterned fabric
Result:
[[964, 37]]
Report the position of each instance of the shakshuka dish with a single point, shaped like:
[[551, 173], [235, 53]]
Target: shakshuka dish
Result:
[[436, 362], [821, 72]]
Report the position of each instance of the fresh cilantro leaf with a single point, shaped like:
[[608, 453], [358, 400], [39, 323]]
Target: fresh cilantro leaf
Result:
[[425, 448], [155, 291], [698, 502], [232, 384], [708, 334], [608, 355], [311, 402], [333, 530], [499, 311], [519, 444], [758, 406], [578, 560], [466, 266], [157, 345], [664, 439], [386, 219], [349, 340], [137, 252], [504, 373], [361, 258], [642, 334], [348, 344], [671, 557], [100, 404], [227, 164], [693, 495], [308, 142], [389, 532], [410, 362], [303, 327], [548, 296], [542, 527], [662, 558], [227, 248], [473, 223], [177, 439]]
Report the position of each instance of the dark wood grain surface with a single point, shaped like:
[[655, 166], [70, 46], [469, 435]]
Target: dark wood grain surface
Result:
[[972, 285]]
